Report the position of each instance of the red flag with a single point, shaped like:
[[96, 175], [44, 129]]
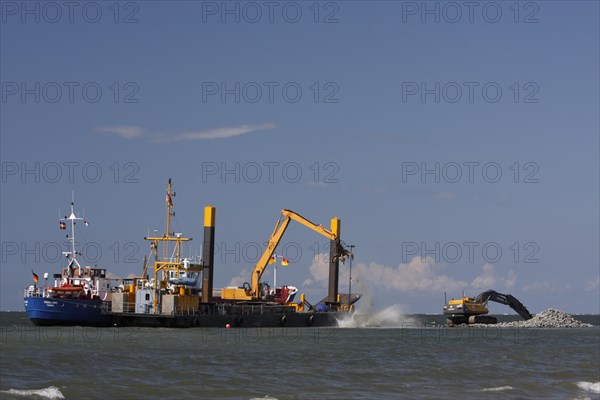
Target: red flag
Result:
[[272, 260], [169, 201], [285, 262]]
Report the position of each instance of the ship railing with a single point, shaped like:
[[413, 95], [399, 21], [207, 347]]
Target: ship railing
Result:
[[34, 291], [260, 309], [130, 308], [122, 308], [186, 311]]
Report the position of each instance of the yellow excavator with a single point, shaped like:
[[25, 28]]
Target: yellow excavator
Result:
[[473, 310], [256, 291]]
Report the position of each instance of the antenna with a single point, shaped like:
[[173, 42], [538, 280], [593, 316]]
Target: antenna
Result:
[[72, 254]]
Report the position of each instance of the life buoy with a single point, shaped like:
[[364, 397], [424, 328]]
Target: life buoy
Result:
[[283, 321]]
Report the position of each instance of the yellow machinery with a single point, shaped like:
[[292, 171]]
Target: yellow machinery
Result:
[[467, 310], [253, 292], [473, 310]]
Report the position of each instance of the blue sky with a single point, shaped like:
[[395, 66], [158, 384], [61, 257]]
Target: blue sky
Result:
[[460, 153]]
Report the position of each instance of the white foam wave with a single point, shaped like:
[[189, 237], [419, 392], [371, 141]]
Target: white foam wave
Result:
[[264, 398], [497, 389], [47, 393], [392, 317], [593, 387]]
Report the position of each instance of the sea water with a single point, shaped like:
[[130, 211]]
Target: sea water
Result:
[[384, 355]]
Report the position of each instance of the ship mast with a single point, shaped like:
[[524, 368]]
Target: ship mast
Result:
[[166, 263], [168, 224], [72, 254]]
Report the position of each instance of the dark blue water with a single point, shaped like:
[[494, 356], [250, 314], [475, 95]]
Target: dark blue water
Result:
[[411, 360]]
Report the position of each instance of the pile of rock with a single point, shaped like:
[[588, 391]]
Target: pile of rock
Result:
[[550, 318]]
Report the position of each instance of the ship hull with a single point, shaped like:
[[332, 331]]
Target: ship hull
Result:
[[60, 312], [273, 320], [43, 311]]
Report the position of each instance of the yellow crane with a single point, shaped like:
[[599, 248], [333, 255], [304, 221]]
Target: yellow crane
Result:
[[252, 292]]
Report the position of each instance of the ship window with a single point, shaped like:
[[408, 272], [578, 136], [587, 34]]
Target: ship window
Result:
[[147, 296]]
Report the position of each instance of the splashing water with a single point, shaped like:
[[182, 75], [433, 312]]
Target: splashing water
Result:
[[497, 389], [392, 317], [593, 387], [51, 392]]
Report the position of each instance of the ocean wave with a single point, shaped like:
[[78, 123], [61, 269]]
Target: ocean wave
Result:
[[497, 389], [589, 386], [47, 393]]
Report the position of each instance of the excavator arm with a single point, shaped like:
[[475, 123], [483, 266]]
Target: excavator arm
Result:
[[505, 299], [282, 223], [253, 292]]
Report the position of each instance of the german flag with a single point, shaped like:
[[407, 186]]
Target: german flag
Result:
[[272, 260], [35, 277], [285, 262]]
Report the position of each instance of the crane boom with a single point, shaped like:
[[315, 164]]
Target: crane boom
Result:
[[253, 291]]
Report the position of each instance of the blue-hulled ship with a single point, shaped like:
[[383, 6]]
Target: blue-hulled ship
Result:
[[77, 296]]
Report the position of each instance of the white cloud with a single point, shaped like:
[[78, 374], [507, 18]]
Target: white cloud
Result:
[[510, 280], [593, 285], [486, 280], [545, 287], [319, 269], [220, 133], [239, 279], [418, 275], [137, 132], [124, 131]]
